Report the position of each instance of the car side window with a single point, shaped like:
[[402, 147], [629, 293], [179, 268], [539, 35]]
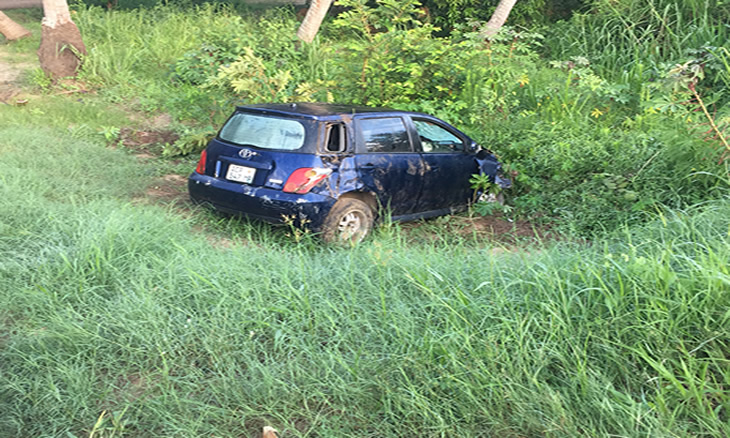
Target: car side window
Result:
[[436, 139], [335, 138], [387, 134]]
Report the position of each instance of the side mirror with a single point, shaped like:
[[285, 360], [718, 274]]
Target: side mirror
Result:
[[473, 147], [482, 154]]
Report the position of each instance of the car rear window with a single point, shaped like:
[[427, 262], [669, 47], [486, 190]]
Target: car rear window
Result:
[[264, 132]]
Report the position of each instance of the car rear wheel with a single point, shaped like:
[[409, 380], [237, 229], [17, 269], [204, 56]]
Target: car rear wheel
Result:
[[349, 221]]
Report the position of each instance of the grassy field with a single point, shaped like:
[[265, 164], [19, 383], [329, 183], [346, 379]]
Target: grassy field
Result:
[[124, 316], [126, 319]]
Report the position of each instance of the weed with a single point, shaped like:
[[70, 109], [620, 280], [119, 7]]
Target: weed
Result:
[[39, 78], [125, 320], [110, 133], [566, 127], [120, 318], [191, 140]]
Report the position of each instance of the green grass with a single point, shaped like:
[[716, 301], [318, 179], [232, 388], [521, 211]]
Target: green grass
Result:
[[85, 115], [133, 53], [587, 153], [134, 315], [631, 41], [119, 318], [31, 20]]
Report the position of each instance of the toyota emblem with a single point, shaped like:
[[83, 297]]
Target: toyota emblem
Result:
[[247, 153]]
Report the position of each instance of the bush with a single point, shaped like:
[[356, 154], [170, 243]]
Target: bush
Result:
[[586, 151], [660, 31], [594, 178]]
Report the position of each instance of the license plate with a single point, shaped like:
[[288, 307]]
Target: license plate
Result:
[[240, 173]]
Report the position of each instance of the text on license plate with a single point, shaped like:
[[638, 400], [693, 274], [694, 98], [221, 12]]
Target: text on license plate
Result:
[[240, 173]]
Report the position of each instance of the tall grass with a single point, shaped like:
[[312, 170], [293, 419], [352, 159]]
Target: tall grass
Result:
[[127, 45], [635, 37], [127, 319], [133, 53], [130, 320]]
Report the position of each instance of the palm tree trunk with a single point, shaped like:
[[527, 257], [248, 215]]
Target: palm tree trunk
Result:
[[315, 14], [12, 30], [61, 44], [498, 18]]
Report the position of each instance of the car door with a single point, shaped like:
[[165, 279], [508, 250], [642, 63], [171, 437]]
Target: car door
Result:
[[448, 165], [388, 164]]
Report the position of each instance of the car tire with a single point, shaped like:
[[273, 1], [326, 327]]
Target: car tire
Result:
[[349, 221]]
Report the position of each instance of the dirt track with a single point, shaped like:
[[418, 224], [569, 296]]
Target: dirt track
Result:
[[12, 74]]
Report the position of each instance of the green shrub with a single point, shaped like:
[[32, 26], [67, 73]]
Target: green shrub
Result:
[[629, 40], [592, 178], [198, 66], [588, 150]]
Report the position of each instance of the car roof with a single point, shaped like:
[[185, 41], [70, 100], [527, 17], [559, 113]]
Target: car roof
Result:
[[319, 111]]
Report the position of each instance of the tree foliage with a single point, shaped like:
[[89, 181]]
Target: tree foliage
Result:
[[450, 13]]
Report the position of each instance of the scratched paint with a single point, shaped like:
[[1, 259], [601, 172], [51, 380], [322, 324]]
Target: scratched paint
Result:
[[411, 184]]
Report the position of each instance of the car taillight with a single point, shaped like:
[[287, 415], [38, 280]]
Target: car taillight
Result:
[[201, 163], [302, 180]]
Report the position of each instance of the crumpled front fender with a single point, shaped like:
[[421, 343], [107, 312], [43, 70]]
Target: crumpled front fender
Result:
[[489, 165]]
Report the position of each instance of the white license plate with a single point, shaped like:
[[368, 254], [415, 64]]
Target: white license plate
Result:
[[240, 173]]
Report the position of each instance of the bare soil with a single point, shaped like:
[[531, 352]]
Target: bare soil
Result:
[[500, 228], [170, 190], [146, 143], [9, 73], [12, 73], [494, 228]]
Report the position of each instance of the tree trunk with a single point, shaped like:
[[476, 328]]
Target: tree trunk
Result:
[[61, 44], [315, 14], [498, 18], [11, 29]]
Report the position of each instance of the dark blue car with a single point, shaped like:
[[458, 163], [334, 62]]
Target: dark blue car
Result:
[[334, 168]]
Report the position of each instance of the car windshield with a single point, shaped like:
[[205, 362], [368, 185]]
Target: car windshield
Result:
[[264, 132]]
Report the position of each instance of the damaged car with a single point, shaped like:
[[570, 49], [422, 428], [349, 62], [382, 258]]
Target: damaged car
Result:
[[336, 169]]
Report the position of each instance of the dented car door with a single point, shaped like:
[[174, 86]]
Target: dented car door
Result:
[[388, 164], [448, 166]]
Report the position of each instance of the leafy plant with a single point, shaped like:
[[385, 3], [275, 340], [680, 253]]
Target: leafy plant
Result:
[[198, 66], [394, 57], [488, 197], [684, 78], [481, 185], [191, 140], [110, 133], [40, 79], [250, 79]]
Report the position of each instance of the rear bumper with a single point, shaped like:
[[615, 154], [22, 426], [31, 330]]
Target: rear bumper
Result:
[[260, 203]]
